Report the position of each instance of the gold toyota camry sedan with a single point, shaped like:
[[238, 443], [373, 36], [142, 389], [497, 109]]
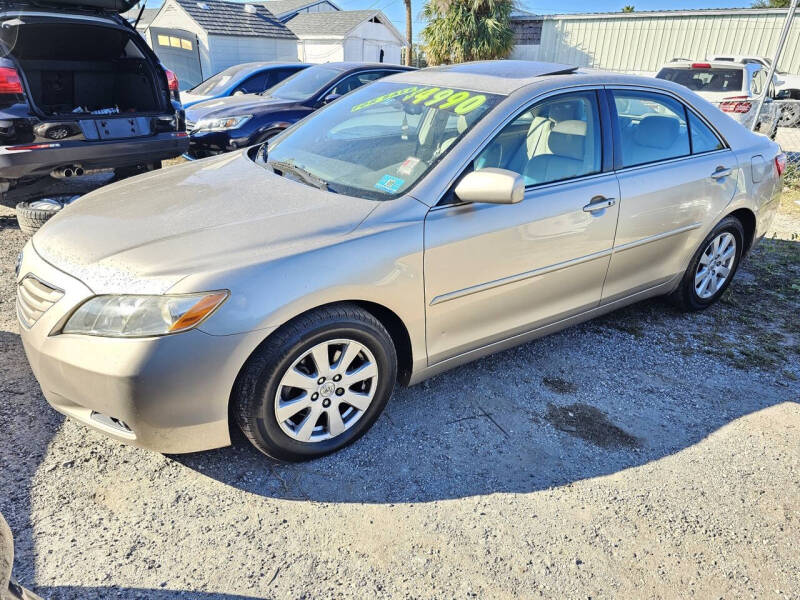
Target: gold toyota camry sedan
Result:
[[413, 225]]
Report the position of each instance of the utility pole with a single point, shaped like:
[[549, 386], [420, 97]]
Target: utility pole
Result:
[[787, 24]]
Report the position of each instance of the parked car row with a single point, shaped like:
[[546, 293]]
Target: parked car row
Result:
[[419, 222]]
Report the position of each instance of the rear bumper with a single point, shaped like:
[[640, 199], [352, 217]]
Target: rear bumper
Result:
[[92, 155]]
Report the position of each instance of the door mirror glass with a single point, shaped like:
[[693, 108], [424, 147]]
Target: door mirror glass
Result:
[[495, 186]]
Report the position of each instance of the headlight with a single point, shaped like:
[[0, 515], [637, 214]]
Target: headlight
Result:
[[222, 123], [142, 316]]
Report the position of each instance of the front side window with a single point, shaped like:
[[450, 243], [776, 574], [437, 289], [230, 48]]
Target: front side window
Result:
[[348, 84], [556, 139], [652, 127], [253, 84], [378, 141]]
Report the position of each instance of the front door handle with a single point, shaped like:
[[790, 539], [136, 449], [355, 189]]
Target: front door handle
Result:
[[599, 203], [721, 172]]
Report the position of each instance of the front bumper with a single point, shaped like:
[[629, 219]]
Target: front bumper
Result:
[[203, 144], [92, 155], [169, 394]]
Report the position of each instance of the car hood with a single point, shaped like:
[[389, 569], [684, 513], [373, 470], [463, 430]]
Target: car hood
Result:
[[145, 234], [235, 105], [187, 98]]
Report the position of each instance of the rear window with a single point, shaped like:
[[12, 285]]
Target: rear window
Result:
[[705, 80]]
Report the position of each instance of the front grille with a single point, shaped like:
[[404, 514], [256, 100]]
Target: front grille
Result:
[[34, 298]]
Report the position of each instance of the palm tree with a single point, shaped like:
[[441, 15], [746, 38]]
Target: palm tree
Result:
[[627, 8], [464, 30], [408, 31]]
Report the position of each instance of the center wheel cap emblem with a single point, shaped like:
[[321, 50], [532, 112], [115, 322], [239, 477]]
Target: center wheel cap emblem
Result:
[[327, 389]]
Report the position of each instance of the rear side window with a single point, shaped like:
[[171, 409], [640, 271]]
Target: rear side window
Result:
[[705, 80], [652, 127], [703, 139]]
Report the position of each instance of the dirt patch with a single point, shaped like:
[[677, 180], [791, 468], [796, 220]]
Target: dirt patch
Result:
[[590, 424]]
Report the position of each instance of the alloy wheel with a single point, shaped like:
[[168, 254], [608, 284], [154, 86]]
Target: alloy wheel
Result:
[[715, 266], [326, 391]]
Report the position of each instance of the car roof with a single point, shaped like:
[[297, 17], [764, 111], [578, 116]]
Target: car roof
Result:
[[495, 76], [359, 66]]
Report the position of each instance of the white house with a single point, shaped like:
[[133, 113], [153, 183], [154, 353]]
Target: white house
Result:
[[197, 38], [347, 35]]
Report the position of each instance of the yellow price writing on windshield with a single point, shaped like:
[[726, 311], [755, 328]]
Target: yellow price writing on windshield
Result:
[[460, 102]]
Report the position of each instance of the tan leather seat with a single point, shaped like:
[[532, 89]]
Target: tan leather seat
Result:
[[566, 154]]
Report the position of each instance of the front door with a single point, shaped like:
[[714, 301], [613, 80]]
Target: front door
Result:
[[495, 271], [674, 173]]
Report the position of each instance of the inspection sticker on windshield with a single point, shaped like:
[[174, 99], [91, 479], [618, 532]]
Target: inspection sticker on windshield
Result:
[[389, 183]]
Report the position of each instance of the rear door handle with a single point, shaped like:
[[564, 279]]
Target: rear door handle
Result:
[[599, 203], [721, 172]]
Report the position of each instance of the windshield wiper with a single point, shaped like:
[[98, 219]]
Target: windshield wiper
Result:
[[305, 176]]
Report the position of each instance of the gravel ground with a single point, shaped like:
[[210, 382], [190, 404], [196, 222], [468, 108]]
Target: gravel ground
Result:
[[645, 454]]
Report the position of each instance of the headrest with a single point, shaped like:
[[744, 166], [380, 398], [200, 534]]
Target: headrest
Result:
[[657, 131], [461, 124], [568, 138]]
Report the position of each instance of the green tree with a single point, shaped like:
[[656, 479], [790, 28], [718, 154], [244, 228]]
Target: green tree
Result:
[[628, 8], [464, 30], [771, 4]]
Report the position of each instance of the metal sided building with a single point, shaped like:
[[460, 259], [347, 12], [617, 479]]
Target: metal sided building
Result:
[[641, 42]]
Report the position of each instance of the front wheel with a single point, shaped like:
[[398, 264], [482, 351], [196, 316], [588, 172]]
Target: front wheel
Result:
[[712, 267], [317, 384]]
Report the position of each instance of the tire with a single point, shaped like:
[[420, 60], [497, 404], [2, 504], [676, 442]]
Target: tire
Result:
[[125, 172], [31, 219], [687, 296], [261, 389]]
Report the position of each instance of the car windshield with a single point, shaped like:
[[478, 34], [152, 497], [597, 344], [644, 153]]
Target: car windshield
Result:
[[379, 140], [705, 80], [304, 84], [219, 82]]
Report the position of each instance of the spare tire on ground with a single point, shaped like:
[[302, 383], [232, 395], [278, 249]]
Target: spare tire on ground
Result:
[[33, 214]]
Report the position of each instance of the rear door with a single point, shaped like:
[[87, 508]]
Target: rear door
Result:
[[675, 175]]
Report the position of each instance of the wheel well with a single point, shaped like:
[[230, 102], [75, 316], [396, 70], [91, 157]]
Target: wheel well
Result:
[[397, 329], [748, 221]]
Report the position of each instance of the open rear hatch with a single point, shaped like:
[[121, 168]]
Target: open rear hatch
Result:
[[82, 69]]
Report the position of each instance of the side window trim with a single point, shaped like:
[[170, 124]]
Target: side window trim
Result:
[[606, 150]]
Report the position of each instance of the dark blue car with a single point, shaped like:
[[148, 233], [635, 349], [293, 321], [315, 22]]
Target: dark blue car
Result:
[[226, 124], [246, 78]]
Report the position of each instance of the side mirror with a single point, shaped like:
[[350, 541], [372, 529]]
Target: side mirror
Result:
[[330, 98], [495, 186], [239, 92]]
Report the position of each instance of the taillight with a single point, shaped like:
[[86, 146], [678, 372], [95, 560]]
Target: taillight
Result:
[[9, 81], [780, 163], [172, 81], [736, 104]]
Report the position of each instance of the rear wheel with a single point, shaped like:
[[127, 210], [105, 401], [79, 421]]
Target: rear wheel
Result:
[[712, 267], [317, 385]]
